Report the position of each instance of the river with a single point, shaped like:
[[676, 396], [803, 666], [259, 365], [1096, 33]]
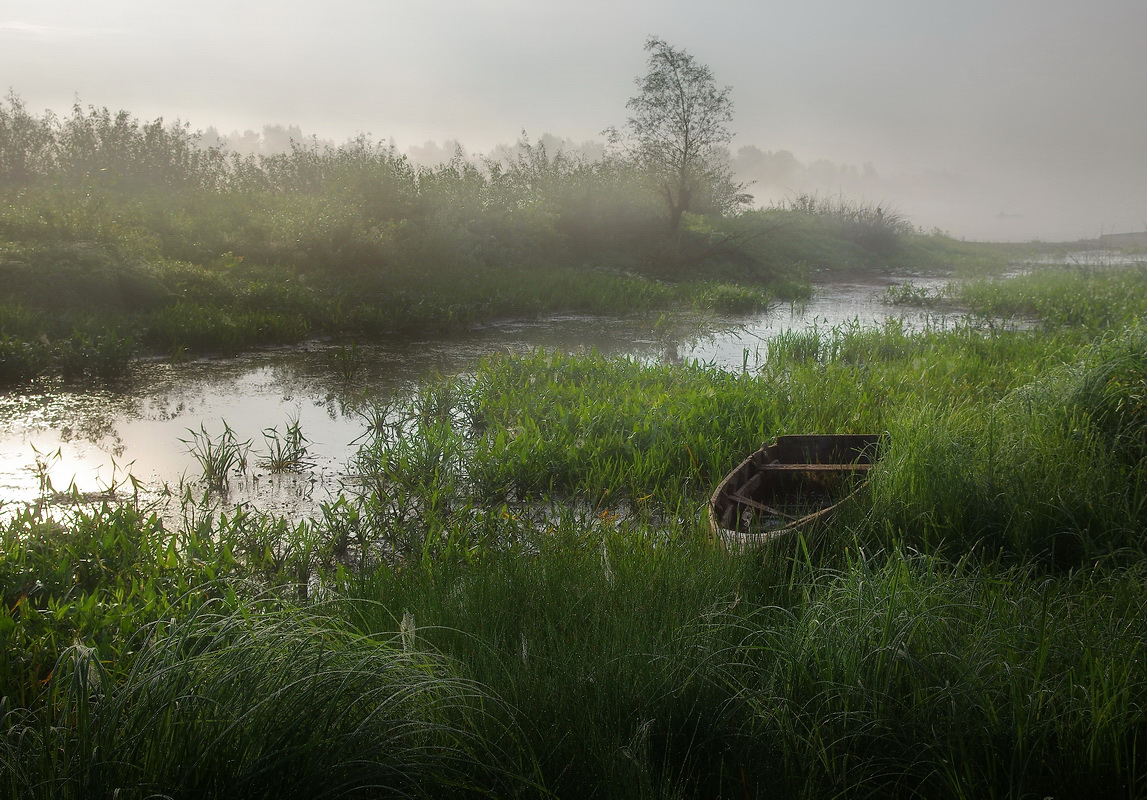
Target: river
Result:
[[87, 441]]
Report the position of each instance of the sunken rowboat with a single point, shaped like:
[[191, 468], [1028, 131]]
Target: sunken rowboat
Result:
[[790, 484]]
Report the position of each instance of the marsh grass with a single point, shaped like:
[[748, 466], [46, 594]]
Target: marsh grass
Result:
[[910, 294], [349, 362], [1051, 470], [520, 596], [592, 638], [254, 703], [95, 573], [908, 675], [1061, 297], [218, 456], [288, 451]]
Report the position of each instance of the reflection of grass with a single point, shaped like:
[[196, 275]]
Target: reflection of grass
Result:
[[287, 452], [219, 456]]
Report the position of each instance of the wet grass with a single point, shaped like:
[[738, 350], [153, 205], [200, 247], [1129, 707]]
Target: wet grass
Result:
[[237, 702], [1071, 295], [518, 595], [219, 457], [288, 451]]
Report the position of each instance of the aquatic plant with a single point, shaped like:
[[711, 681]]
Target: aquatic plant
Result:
[[218, 456], [21, 360], [349, 362], [910, 294], [288, 451]]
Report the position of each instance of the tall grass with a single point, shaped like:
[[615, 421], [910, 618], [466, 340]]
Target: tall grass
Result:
[[594, 634], [255, 703], [1065, 296], [646, 665], [910, 676], [1053, 469], [520, 597]]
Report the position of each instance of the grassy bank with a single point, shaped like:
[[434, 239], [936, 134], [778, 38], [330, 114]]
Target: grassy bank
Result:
[[120, 237], [520, 599]]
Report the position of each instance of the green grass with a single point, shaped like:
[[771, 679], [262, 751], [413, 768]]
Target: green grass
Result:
[[526, 558], [1067, 296], [219, 457], [288, 451], [118, 236], [518, 598], [257, 703]]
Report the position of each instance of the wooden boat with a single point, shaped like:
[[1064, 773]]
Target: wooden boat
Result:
[[792, 483]]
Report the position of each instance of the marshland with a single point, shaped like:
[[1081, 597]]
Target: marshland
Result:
[[508, 589]]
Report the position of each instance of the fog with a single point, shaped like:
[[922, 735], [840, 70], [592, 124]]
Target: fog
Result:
[[992, 119]]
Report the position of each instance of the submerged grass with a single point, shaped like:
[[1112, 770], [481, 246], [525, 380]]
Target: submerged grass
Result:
[[288, 451], [218, 456]]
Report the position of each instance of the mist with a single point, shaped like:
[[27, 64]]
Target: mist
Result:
[[1010, 120]]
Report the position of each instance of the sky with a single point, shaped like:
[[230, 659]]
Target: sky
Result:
[[989, 119]]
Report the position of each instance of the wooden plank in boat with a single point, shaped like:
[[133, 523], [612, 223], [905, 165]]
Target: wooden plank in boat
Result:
[[853, 467]]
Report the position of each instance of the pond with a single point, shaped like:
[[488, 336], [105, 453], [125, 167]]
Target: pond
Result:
[[89, 441]]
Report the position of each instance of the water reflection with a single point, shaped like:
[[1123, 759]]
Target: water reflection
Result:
[[91, 440]]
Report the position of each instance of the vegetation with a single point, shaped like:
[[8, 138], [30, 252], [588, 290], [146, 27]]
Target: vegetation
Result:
[[678, 136], [516, 595], [520, 598], [119, 237]]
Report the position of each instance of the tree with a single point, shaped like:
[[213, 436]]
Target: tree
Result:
[[678, 135]]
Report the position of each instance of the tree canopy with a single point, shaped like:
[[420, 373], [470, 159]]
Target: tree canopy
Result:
[[678, 134]]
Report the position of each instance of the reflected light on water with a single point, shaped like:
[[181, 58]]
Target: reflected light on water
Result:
[[91, 440]]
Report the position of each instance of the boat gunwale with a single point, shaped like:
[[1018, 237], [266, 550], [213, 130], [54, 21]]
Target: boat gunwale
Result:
[[865, 446]]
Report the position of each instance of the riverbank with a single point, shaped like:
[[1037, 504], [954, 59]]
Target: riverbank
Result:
[[119, 238], [518, 596]]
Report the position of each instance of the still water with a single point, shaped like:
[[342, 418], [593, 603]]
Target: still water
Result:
[[89, 441]]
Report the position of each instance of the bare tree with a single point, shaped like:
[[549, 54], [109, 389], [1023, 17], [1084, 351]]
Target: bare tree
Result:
[[678, 134]]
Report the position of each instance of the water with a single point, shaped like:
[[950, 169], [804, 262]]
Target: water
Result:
[[88, 441]]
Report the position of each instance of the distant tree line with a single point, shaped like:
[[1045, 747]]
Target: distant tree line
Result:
[[660, 198]]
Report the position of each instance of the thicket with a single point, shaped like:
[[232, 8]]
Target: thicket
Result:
[[118, 236]]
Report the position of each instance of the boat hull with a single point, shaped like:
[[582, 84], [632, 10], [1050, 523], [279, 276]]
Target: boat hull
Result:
[[793, 483]]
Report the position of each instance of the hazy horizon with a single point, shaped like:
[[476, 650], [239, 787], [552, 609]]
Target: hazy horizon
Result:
[[1001, 120]]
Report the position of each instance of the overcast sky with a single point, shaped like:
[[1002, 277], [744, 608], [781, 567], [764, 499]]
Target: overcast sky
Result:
[[1004, 119]]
